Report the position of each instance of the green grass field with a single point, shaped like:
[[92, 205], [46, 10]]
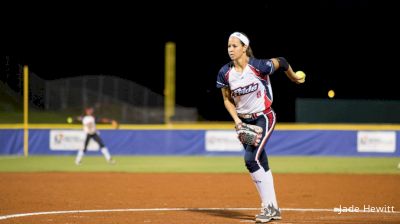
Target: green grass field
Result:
[[198, 164]]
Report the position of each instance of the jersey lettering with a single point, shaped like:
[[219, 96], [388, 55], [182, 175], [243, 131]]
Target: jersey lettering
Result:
[[245, 90], [258, 94]]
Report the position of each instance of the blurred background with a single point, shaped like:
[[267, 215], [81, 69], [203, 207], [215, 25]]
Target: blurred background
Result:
[[112, 57]]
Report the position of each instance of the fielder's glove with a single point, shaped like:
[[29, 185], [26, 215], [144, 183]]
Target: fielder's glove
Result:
[[115, 124], [249, 134]]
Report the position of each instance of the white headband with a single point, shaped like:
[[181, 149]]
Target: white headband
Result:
[[241, 37]]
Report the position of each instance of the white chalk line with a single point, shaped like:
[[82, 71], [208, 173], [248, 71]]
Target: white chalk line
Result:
[[173, 209]]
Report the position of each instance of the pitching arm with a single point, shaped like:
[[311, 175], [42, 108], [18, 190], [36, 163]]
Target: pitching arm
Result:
[[282, 64]]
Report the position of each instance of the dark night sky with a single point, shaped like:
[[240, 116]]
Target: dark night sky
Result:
[[343, 45]]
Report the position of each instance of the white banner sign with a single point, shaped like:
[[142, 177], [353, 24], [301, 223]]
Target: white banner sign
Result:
[[222, 141], [70, 140], [376, 141]]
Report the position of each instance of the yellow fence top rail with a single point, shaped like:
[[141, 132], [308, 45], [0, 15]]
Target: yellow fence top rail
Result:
[[211, 125]]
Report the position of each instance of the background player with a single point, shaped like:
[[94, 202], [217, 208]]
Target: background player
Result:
[[89, 127], [247, 95]]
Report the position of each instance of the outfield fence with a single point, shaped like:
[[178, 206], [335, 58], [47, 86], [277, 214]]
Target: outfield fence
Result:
[[211, 139]]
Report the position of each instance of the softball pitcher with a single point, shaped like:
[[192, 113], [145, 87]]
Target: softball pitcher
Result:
[[247, 94]]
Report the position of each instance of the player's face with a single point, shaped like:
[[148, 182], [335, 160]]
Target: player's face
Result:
[[89, 111], [235, 48]]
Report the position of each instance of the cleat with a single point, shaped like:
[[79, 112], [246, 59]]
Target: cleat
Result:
[[112, 161], [268, 213], [276, 215], [261, 218]]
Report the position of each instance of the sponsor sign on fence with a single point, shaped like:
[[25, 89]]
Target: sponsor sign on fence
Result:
[[222, 141], [70, 140], [376, 141]]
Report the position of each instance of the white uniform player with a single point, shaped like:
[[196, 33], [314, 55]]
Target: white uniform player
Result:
[[89, 124], [89, 127]]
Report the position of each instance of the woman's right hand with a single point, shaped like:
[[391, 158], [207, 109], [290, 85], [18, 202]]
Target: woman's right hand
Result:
[[238, 125]]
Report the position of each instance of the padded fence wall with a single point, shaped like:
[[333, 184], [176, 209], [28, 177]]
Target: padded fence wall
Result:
[[204, 142]]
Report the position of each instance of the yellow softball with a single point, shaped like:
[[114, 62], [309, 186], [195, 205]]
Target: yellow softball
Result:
[[301, 76]]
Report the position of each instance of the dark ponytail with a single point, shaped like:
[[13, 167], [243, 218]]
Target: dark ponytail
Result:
[[249, 52]]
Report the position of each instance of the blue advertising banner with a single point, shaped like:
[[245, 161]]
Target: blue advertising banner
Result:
[[204, 142]]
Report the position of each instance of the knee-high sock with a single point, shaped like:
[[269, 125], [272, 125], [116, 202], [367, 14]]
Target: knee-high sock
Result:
[[106, 154], [79, 156], [265, 186]]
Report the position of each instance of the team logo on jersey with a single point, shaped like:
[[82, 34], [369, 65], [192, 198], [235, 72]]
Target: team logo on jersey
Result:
[[245, 90]]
